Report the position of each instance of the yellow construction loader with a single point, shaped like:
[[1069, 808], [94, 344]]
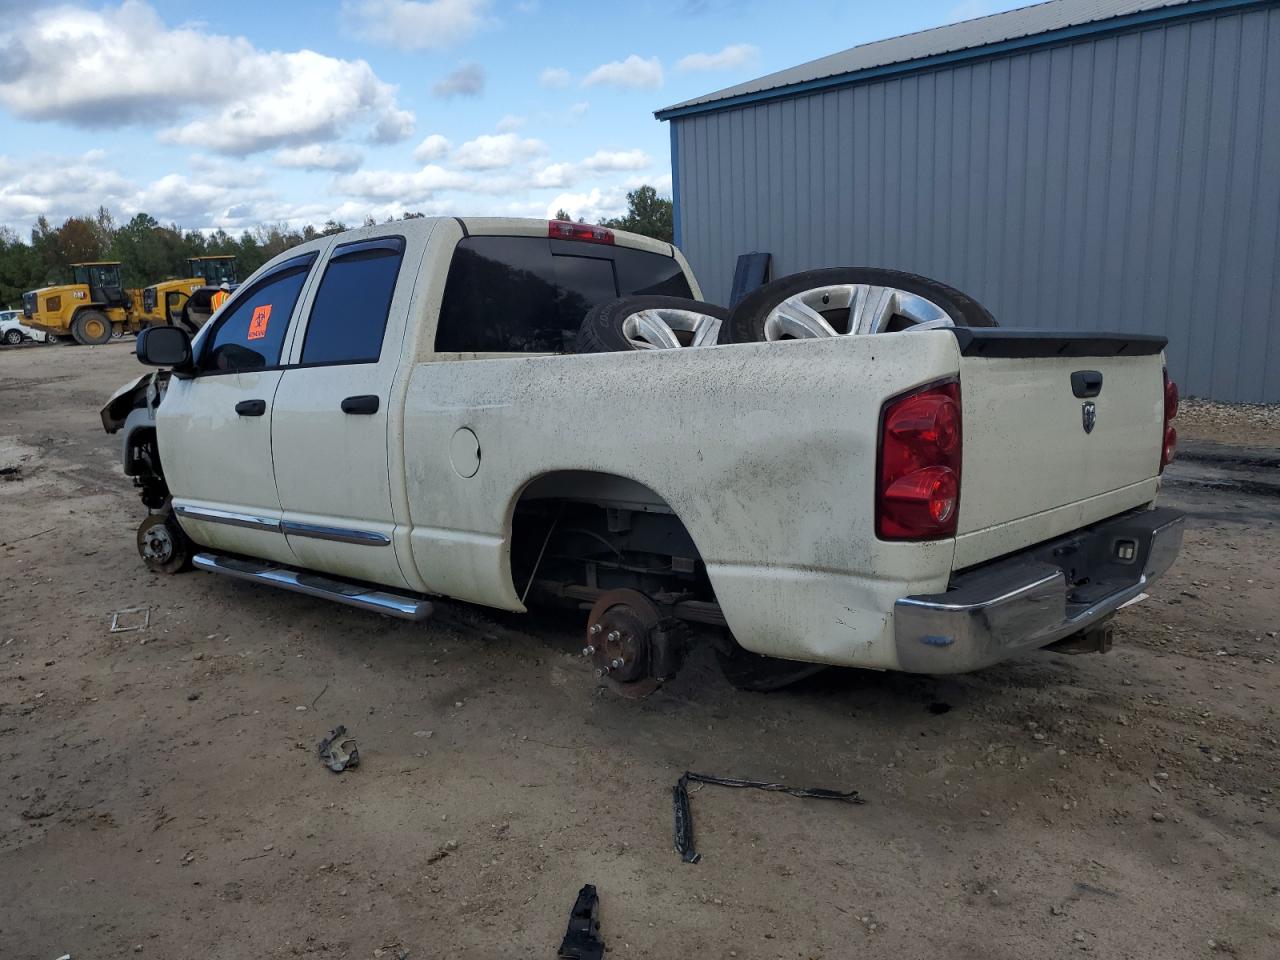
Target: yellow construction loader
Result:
[[96, 306]]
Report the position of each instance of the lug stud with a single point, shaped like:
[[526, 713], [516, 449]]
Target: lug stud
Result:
[[618, 664], [614, 636], [588, 650], [596, 629]]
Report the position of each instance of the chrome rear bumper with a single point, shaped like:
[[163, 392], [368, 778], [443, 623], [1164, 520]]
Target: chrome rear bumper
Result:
[[1036, 597]]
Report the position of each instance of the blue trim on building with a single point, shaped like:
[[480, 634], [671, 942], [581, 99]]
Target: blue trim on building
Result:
[[1115, 24], [675, 186]]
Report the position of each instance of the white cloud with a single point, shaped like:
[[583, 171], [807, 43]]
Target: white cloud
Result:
[[319, 156], [734, 55], [593, 206], [466, 81], [416, 24], [556, 175], [495, 151], [510, 122], [435, 147], [633, 73], [618, 160], [410, 187], [554, 78], [579, 108], [61, 186], [259, 99]]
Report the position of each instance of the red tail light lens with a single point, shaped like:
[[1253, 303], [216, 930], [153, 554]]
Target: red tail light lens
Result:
[[918, 475], [582, 232], [1169, 439]]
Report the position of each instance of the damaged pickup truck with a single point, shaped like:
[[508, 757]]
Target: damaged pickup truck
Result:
[[852, 466]]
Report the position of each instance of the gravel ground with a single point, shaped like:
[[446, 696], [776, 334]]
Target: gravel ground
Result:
[[160, 794], [1247, 424]]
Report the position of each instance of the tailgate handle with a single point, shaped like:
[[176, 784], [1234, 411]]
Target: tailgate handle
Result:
[[251, 408], [1086, 383], [365, 404]]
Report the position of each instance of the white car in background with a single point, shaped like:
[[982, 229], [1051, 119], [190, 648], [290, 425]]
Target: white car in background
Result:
[[13, 331]]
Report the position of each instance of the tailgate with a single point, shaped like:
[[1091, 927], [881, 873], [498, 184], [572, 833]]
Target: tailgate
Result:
[[1034, 465]]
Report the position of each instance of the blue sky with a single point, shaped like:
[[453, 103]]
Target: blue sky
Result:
[[235, 113]]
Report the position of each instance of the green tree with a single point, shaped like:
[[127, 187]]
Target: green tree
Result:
[[647, 214], [563, 214]]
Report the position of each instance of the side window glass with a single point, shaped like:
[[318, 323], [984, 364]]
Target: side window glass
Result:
[[250, 331], [349, 314]]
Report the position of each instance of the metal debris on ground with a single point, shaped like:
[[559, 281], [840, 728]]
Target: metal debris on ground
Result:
[[125, 621], [684, 813], [335, 752], [582, 938]]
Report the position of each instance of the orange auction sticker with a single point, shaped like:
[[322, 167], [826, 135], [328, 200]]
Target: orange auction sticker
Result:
[[258, 325]]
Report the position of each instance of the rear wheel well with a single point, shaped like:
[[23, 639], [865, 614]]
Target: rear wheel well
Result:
[[574, 532]]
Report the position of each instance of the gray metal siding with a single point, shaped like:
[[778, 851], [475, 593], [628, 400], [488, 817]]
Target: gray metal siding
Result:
[[1129, 182]]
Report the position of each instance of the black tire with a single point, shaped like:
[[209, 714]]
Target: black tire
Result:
[[602, 327], [163, 546], [759, 674], [91, 328], [746, 322], [13, 337]]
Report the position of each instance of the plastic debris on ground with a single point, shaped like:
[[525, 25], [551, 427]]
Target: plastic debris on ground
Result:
[[582, 938], [339, 752]]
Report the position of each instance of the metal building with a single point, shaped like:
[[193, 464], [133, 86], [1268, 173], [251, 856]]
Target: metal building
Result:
[[1079, 164]]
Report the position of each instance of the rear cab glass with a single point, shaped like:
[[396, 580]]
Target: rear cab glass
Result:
[[529, 294], [248, 333]]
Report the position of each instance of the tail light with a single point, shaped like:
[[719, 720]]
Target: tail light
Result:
[[918, 473], [583, 232], [1169, 441]]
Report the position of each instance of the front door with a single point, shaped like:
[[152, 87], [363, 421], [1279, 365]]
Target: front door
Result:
[[214, 429], [332, 409]]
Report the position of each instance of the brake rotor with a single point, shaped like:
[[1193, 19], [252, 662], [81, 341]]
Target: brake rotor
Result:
[[619, 634]]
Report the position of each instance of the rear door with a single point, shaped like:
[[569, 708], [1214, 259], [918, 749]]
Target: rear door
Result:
[[214, 429], [332, 411]]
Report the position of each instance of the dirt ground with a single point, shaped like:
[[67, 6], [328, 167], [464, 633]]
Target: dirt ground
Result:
[[160, 792]]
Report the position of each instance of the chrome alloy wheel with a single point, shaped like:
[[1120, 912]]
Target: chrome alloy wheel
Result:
[[870, 309], [659, 328]]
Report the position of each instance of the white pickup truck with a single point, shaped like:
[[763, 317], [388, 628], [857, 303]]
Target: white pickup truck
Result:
[[400, 412]]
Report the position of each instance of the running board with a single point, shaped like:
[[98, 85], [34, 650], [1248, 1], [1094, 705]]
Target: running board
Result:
[[402, 605]]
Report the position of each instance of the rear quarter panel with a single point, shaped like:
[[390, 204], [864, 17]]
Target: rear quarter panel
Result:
[[766, 452]]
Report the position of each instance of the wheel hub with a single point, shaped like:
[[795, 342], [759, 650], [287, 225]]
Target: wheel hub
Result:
[[619, 634], [157, 545]]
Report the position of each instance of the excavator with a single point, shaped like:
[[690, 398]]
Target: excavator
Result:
[[96, 307]]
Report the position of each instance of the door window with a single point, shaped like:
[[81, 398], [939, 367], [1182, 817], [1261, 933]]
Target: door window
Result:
[[250, 330], [349, 315]]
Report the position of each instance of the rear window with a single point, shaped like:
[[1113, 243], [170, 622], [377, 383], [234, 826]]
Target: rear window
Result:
[[529, 294]]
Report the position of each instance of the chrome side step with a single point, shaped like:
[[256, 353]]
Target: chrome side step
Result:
[[402, 605]]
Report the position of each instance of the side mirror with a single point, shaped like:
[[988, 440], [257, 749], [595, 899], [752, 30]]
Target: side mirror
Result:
[[164, 347]]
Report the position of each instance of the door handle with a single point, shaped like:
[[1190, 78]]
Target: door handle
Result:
[[364, 404], [251, 408], [1086, 383]]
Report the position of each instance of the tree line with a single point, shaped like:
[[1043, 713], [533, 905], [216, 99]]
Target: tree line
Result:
[[150, 251]]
